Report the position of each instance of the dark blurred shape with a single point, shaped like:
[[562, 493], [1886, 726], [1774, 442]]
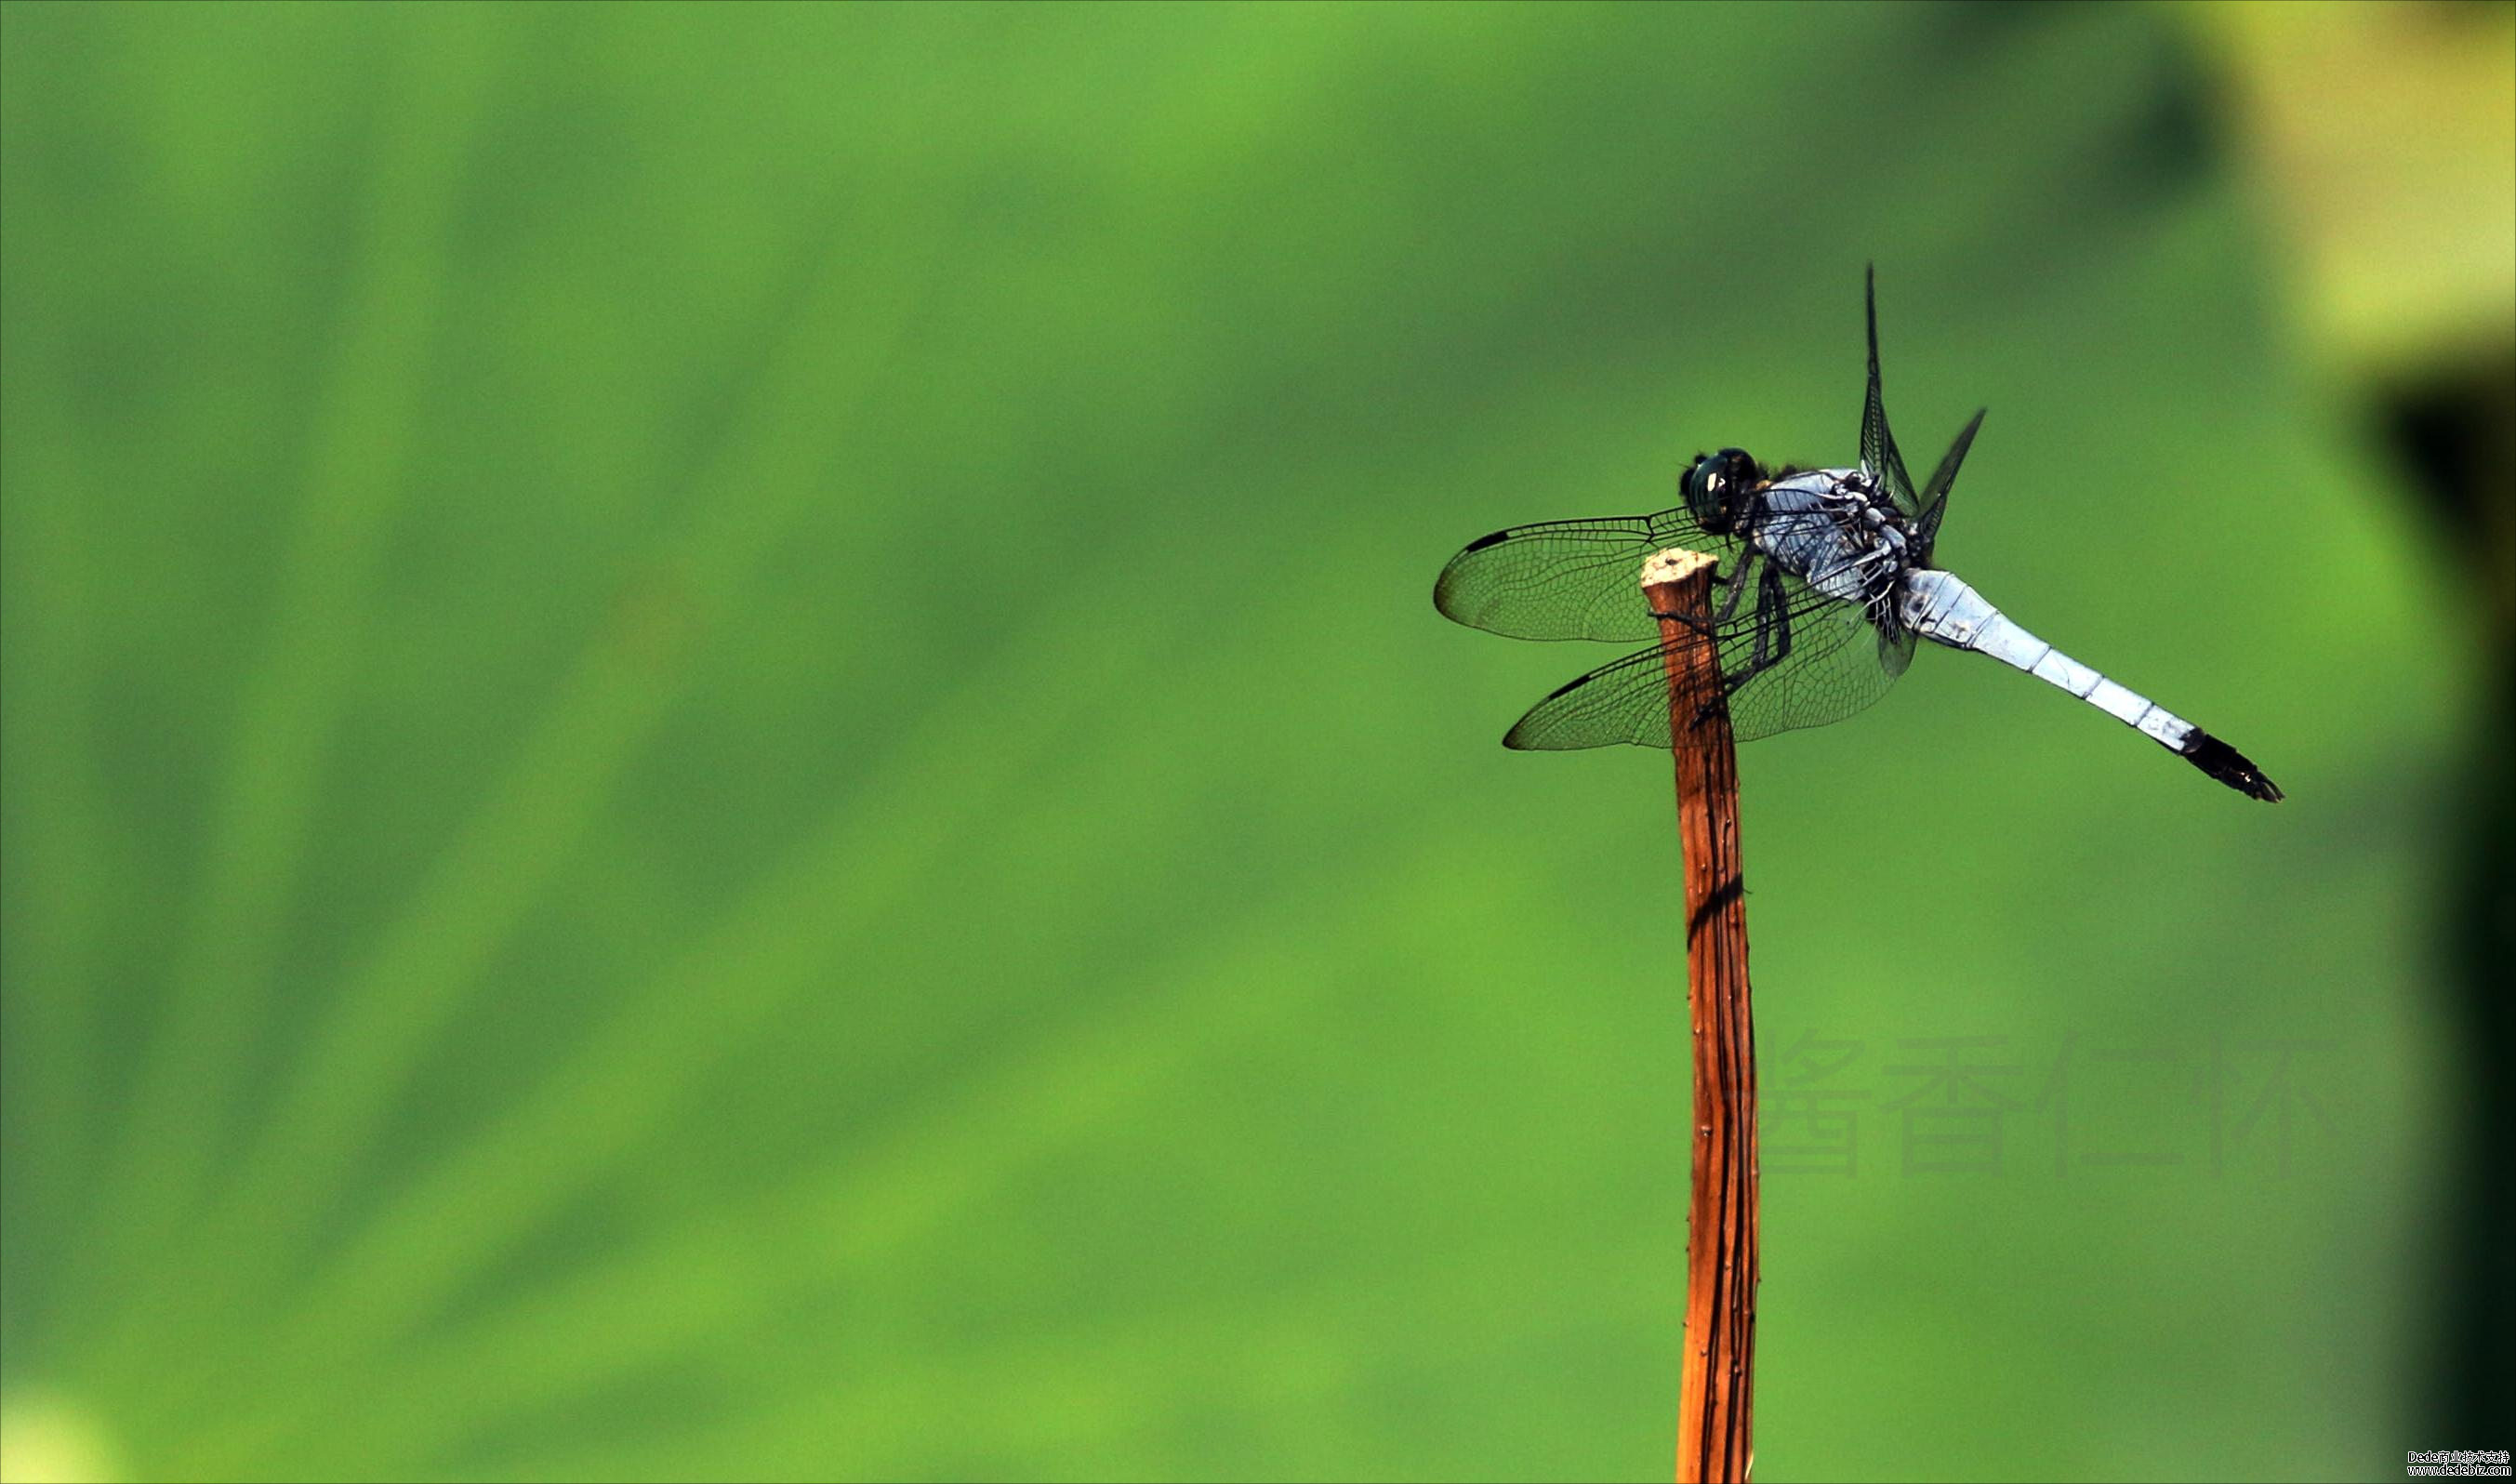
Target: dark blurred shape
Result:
[[2382, 133], [2455, 427], [2457, 430]]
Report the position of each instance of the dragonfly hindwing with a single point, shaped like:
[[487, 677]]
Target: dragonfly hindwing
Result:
[[1935, 495]]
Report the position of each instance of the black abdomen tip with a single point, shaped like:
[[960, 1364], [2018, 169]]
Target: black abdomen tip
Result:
[[2229, 766]]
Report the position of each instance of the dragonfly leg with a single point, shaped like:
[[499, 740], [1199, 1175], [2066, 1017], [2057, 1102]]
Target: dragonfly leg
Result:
[[1737, 588], [1771, 644], [1773, 623]]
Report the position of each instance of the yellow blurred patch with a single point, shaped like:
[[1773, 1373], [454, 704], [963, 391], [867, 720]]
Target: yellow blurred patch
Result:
[[2386, 137], [46, 1438]]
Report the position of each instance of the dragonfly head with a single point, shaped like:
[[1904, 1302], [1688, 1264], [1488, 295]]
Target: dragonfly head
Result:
[[1716, 485]]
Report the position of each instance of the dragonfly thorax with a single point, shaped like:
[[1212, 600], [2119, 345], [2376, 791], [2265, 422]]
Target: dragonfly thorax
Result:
[[1829, 528]]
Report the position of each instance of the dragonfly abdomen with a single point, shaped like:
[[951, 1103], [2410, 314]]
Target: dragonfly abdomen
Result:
[[1942, 607]]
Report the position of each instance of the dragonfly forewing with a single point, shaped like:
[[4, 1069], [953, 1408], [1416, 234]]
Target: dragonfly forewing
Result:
[[1878, 452], [1567, 580]]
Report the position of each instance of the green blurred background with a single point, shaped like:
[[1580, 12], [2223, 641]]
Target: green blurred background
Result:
[[725, 756]]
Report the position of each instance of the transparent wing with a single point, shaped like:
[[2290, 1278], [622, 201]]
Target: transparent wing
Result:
[[1841, 664], [1835, 663], [1879, 453], [1945, 475], [1567, 580], [1895, 652], [1935, 495], [1624, 700]]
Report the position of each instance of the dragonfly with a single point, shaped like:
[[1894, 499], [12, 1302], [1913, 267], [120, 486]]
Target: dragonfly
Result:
[[1823, 588]]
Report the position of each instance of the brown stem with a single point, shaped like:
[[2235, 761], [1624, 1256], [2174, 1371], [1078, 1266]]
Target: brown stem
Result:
[[1717, 1383]]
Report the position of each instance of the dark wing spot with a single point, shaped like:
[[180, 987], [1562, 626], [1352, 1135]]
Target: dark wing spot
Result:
[[1481, 542]]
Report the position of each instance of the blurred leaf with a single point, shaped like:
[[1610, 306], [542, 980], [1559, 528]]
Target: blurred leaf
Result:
[[726, 753]]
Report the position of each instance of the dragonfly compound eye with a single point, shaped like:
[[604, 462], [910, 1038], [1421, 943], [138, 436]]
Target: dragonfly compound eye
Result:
[[1712, 487]]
